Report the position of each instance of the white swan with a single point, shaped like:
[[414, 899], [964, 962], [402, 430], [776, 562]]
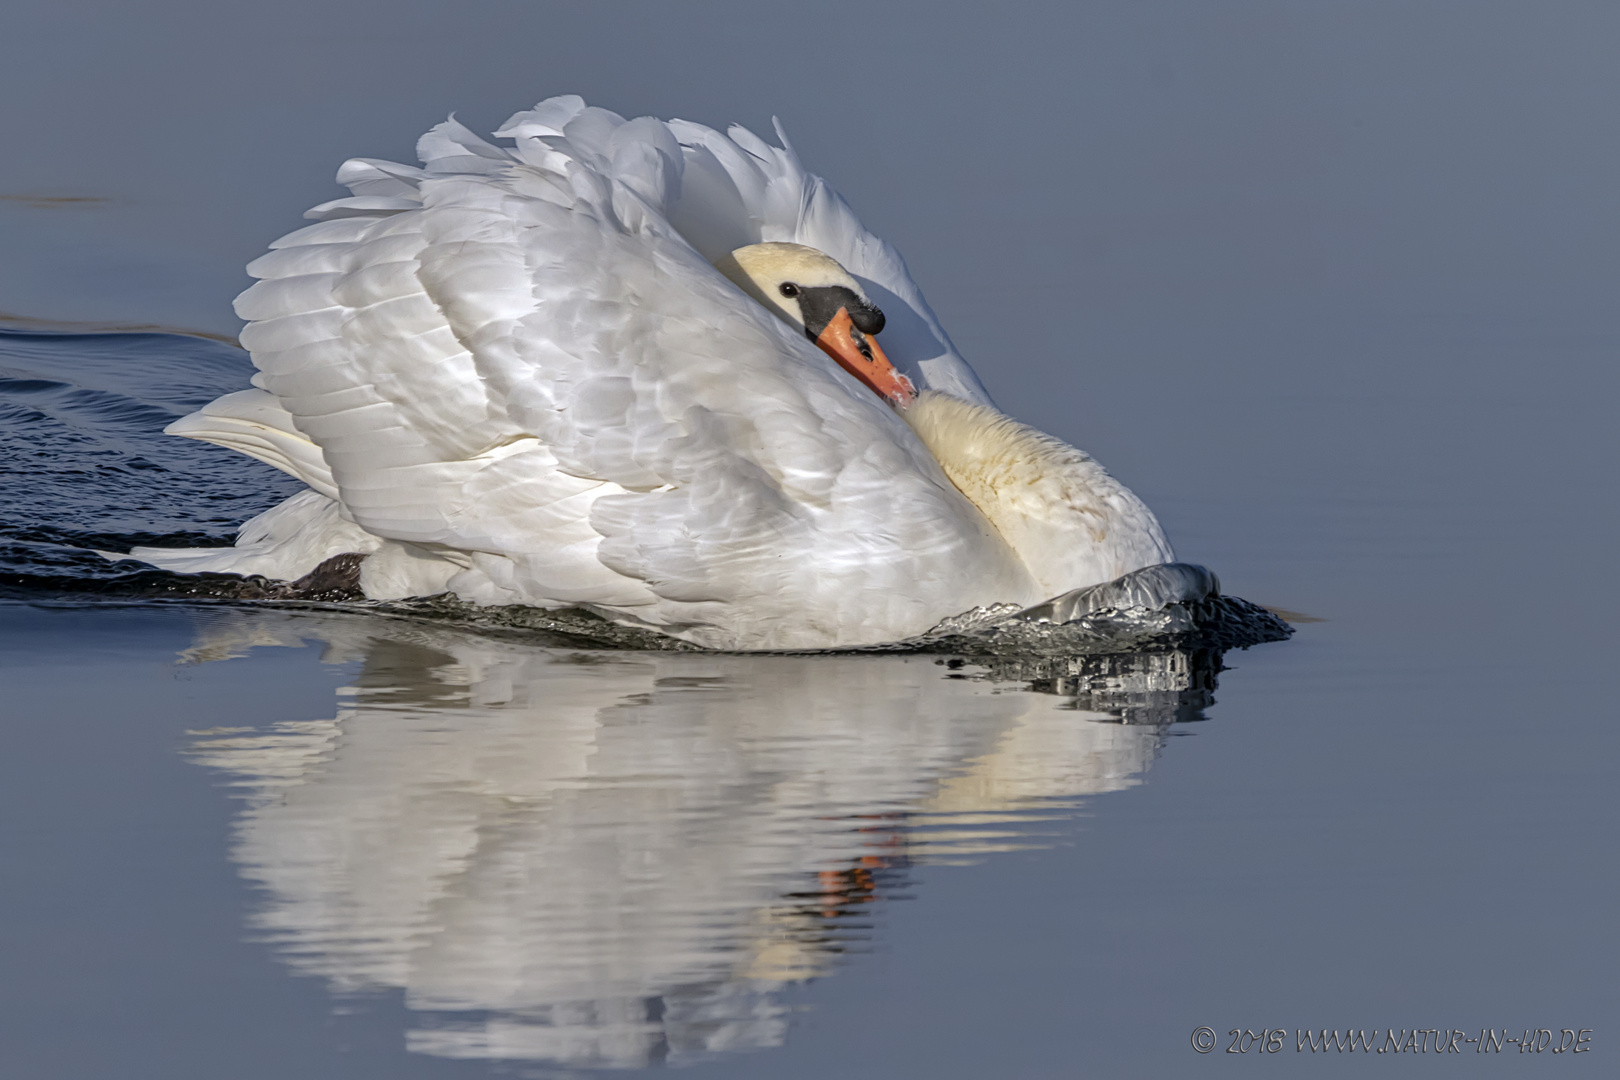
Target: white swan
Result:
[[582, 371]]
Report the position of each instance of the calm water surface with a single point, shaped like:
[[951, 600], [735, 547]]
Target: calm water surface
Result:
[[1331, 287]]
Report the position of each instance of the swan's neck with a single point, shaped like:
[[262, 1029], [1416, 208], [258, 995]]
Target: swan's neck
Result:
[[1070, 523]]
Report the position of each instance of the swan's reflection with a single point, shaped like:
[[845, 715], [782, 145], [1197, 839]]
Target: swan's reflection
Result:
[[613, 859]]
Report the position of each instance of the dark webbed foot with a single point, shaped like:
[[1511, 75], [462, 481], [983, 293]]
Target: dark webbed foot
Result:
[[337, 578]]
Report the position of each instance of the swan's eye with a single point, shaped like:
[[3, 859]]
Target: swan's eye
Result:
[[788, 289]]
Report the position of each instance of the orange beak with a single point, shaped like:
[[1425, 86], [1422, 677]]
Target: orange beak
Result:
[[867, 363]]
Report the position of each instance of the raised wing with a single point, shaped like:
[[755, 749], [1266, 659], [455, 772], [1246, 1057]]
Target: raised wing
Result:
[[513, 360]]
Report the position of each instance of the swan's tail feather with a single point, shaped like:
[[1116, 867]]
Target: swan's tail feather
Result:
[[285, 543], [306, 541]]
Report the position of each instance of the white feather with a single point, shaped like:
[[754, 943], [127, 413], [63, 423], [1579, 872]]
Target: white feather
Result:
[[1070, 522], [256, 424], [285, 542]]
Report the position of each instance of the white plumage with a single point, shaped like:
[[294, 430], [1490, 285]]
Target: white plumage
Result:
[[516, 375]]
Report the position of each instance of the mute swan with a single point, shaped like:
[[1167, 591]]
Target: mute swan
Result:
[[583, 371]]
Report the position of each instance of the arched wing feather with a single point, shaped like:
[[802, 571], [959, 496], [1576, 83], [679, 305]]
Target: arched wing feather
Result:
[[516, 355]]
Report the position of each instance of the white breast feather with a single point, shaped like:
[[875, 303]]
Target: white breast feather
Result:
[[1072, 524]]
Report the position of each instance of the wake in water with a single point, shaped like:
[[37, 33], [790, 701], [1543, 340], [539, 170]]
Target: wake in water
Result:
[[87, 470]]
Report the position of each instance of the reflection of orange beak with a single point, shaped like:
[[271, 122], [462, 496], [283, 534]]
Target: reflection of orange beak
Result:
[[838, 341]]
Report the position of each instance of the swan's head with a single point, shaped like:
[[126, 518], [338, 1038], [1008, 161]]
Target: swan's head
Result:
[[812, 292]]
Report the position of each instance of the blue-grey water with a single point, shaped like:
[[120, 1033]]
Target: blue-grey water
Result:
[[1333, 287]]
